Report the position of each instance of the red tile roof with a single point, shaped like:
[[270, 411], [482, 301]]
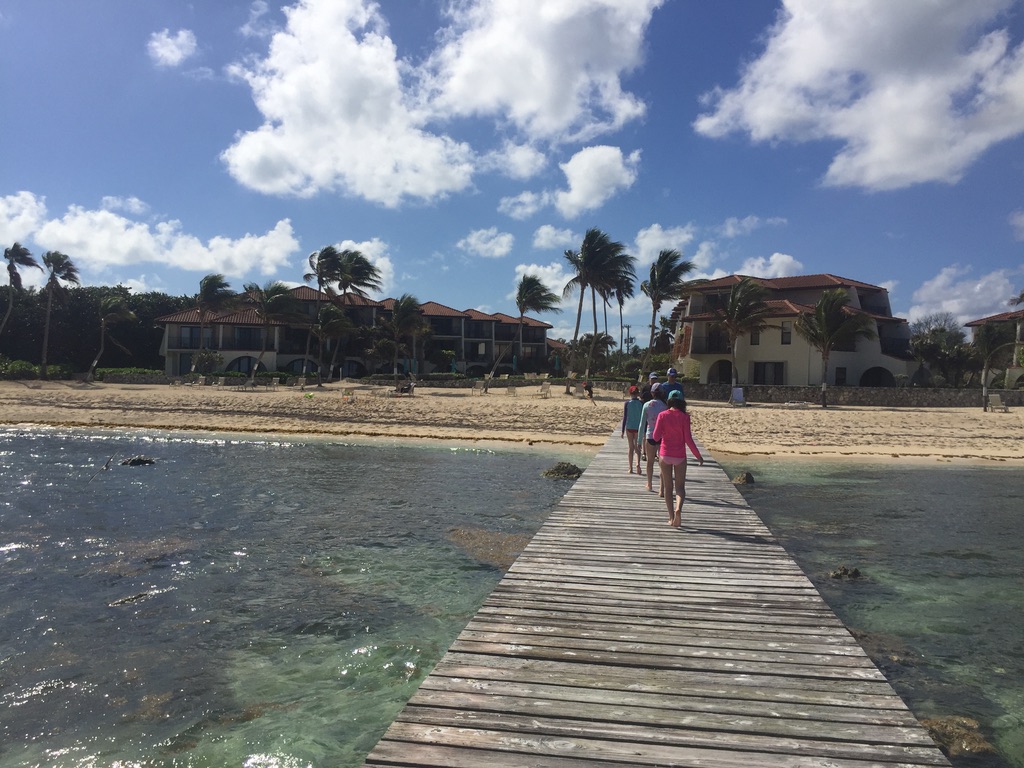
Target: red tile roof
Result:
[[823, 281], [433, 309], [1002, 317]]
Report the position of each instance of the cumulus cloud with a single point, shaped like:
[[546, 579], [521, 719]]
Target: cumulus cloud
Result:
[[654, 239], [523, 205], [343, 111], [914, 92], [257, 25], [488, 243], [100, 239], [595, 175], [553, 69], [967, 298], [167, 50], [20, 216], [547, 237], [336, 117], [776, 265]]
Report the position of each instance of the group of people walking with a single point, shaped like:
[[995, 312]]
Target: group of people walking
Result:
[[658, 428]]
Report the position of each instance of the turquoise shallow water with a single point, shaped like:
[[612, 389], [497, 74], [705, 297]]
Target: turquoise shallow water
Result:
[[941, 603], [239, 602]]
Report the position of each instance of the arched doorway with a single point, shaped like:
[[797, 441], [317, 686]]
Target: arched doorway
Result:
[[243, 365], [720, 373], [877, 377]]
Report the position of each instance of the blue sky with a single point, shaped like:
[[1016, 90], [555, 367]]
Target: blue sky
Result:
[[461, 144]]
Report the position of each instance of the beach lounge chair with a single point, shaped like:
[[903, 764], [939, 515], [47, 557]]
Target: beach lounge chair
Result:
[[478, 388], [995, 403], [503, 377], [511, 390], [736, 396], [545, 389]]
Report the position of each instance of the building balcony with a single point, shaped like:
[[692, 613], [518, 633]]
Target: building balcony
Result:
[[701, 345]]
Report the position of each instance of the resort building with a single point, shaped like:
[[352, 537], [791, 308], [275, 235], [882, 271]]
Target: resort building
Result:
[[1015, 372], [778, 355], [473, 339]]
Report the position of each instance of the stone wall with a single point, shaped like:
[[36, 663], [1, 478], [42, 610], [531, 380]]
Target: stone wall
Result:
[[895, 397]]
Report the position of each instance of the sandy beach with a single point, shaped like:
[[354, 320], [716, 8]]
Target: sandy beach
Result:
[[907, 434]]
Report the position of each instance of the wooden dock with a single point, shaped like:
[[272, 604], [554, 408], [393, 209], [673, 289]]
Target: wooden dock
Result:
[[616, 641]]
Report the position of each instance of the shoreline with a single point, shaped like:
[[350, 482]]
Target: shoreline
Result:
[[500, 421]]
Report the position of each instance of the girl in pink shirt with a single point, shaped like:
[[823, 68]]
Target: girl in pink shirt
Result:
[[672, 428]]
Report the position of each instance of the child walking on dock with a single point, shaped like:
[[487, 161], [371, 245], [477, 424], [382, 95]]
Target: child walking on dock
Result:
[[672, 429]]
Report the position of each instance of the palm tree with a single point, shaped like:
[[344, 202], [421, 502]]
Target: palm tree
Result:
[[61, 269], [323, 267], [272, 303], [113, 309], [745, 311], [214, 296], [833, 325], [334, 325], [355, 274], [405, 322], [992, 344], [531, 296], [665, 283], [16, 256], [1017, 300], [600, 264], [625, 290]]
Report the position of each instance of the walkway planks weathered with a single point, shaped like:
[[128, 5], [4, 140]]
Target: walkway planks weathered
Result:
[[615, 640]]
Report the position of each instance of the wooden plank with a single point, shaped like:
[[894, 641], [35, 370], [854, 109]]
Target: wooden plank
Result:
[[615, 640]]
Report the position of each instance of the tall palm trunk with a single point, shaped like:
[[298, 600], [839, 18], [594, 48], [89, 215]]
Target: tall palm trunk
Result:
[[650, 344], [103, 343], [575, 338], [10, 306], [43, 369], [593, 342]]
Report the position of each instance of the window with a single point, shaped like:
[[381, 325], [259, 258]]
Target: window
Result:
[[787, 331], [755, 338], [840, 377]]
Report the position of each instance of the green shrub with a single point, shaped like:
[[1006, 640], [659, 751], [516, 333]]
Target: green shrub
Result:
[[20, 369]]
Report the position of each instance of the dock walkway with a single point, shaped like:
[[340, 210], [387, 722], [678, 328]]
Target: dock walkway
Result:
[[616, 641]]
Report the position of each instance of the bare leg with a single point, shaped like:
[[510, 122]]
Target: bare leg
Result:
[[677, 510], [650, 468], [666, 486]]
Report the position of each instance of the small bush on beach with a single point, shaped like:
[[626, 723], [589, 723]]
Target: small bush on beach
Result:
[[18, 369]]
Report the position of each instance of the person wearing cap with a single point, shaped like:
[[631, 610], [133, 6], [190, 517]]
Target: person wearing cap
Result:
[[645, 393], [644, 438], [672, 431], [672, 385], [631, 413]]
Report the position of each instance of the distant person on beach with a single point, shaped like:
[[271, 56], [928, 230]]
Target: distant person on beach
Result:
[[672, 385], [588, 391], [645, 434], [672, 429], [632, 410]]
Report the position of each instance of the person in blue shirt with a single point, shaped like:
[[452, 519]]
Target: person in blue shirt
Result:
[[673, 385], [631, 412]]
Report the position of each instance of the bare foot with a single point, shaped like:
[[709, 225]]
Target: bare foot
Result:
[[649, 488], [676, 522]]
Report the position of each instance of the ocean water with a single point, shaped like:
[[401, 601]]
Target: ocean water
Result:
[[241, 601], [941, 599]]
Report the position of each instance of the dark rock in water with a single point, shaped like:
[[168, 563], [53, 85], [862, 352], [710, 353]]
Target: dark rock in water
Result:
[[491, 547], [137, 461], [957, 735], [744, 478], [130, 599], [563, 470], [842, 572]]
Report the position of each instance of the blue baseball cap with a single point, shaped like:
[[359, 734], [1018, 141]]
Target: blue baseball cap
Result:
[[653, 375], [672, 372]]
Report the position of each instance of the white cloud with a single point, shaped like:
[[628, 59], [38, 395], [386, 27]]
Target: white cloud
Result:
[[130, 205], [551, 68], [98, 240], [915, 92], [594, 175], [377, 251], [776, 265], [1017, 222], [736, 227], [257, 25], [954, 290], [547, 237], [517, 161], [655, 238], [167, 50], [20, 216], [523, 205], [336, 117], [488, 243]]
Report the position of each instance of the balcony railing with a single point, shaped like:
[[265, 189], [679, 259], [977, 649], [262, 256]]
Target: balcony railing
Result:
[[702, 345]]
